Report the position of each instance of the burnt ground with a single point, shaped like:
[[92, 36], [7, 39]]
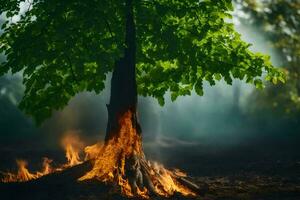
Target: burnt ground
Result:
[[243, 173]]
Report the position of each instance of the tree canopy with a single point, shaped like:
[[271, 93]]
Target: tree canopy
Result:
[[65, 47]]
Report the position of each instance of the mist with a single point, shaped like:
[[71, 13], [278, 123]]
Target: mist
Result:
[[218, 121]]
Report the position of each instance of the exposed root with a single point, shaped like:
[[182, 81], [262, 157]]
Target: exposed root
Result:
[[122, 161]]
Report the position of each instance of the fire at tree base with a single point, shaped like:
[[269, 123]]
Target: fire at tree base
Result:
[[121, 163]]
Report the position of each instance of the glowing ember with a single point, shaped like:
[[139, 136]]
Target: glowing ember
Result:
[[121, 160]]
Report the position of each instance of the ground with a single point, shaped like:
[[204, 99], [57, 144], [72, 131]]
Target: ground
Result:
[[232, 175]]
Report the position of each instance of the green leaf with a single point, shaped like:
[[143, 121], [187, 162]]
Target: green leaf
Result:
[[282, 79], [218, 76], [274, 80], [199, 88], [174, 96], [259, 84], [161, 101]]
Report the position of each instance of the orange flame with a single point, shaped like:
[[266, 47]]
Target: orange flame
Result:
[[91, 152], [165, 183], [110, 164], [23, 173], [115, 162], [47, 169], [72, 145]]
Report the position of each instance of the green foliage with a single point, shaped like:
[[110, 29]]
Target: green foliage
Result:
[[183, 43], [62, 48], [280, 21], [65, 47]]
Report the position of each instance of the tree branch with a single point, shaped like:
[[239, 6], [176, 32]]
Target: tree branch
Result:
[[71, 69]]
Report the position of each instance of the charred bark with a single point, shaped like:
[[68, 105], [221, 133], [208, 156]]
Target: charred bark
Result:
[[123, 96]]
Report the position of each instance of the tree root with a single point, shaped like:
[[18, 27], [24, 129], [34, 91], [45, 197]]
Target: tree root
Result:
[[153, 178]]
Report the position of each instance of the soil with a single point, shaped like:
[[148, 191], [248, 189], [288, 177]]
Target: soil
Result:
[[226, 175]]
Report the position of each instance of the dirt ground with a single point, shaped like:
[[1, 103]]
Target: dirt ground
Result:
[[63, 186], [243, 174]]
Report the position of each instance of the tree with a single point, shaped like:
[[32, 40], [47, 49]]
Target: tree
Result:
[[151, 47], [280, 21]]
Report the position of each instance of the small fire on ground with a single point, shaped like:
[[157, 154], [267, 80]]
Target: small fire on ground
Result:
[[120, 162], [72, 146]]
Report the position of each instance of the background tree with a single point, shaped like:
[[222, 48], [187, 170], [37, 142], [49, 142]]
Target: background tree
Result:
[[280, 21], [151, 47]]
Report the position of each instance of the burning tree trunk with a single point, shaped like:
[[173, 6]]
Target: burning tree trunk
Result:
[[123, 83], [121, 160], [123, 133]]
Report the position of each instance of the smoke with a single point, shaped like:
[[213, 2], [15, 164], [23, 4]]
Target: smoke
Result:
[[219, 118]]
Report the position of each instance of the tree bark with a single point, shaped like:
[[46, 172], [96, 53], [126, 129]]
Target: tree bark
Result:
[[123, 96]]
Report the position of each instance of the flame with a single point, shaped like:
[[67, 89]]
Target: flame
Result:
[[112, 156], [47, 169], [165, 182], [72, 145], [91, 152], [121, 160], [112, 159], [23, 173], [109, 165]]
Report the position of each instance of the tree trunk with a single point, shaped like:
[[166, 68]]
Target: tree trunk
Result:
[[123, 96], [123, 148]]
